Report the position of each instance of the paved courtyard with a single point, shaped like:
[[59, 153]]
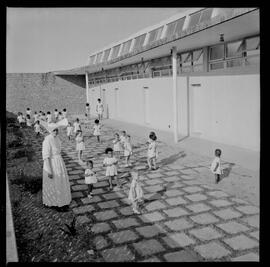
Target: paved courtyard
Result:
[[183, 219]]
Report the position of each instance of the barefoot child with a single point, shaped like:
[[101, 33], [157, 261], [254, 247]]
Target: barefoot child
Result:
[[90, 177], [110, 163], [117, 148], [127, 151], [216, 166], [97, 128], [69, 131], [152, 151], [79, 144], [135, 192]]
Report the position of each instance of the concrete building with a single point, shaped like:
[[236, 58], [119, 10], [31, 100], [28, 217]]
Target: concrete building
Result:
[[194, 74]]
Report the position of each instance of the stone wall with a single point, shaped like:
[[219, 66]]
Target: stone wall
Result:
[[45, 91]]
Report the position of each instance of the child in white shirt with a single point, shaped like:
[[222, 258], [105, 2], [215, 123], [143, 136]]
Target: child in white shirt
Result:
[[90, 177], [216, 165], [69, 131], [76, 126], [152, 151], [123, 137], [79, 144], [37, 128], [135, 195], [117, 147], [28, 120], [49, 117], [127, 151], [110, 162], [56, 114], [97, 128]]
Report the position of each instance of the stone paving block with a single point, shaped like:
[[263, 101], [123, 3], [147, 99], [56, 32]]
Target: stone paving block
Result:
[[176, 167], [176, 212], [154, 175], [239, 201], [173, 193], [76, 172], [152, 259], [81, 181], [101, 184], [118, 254], [150, 231], [177, 185], [152, 217], [170, 173], [74, 177], [220, 203], [126, 211], [154, 188], [83, 209], [97, 191], [217, 194], [192, 189], [108, 204], [209, 187], [81, 187], [187, 177], [154, 181], [247, 257], [175, 201], [105, 215], [192, 182], [178, 240], [255, 234], [179, 224], [125, 223], [205, 234], [148, 247], [82, 219], [154, 205], [204, 218], [212, 250], [196, 197], [172, 179], [198, 207], [253, 221], [188, 171], [241, 242], [100, 242], [181, 256], [232, 227], [76, 194], [227, 214], [249, 210], [88, 200], [123, 236], [100, 228]]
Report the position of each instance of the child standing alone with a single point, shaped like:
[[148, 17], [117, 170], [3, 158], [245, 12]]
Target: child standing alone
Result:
[[90, 177], [69, 130], [152, 151], [127, 151], [216, 166], [97, 128], [79, 144], [110, 162]]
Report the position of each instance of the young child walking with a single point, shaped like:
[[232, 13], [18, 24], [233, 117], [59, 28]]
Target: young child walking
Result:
[[97, 128], [127, 151], [216, 165], [135, 195], [152, 151], [90, 177], [117, 147], [79, 144], [69, 131], [76, 125], [110, 162]]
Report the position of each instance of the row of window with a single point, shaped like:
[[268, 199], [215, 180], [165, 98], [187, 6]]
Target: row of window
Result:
[[173, 29], [226, 55]]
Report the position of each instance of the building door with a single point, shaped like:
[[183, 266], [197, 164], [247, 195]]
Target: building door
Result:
[[116, 102], [146, 105]]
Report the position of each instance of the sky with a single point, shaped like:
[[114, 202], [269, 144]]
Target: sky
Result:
[[51, 39]]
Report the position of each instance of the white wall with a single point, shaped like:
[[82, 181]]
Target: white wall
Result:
[[226, 109]]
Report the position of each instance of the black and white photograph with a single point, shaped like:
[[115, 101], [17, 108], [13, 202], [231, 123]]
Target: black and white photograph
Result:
[[132, 134]]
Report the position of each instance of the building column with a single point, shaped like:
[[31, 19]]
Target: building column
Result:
[[175, 119], [86, 83]]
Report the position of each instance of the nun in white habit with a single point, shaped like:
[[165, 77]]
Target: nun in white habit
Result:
[[55, 187]]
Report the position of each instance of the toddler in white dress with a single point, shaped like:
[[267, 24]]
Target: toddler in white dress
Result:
[[76, 125], [152, 151], [97, 128], [117, 147], [79, 144], [69, 131], [90, 177], [216, 165], [127, 151]]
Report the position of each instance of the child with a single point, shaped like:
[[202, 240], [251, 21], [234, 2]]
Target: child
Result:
[[97, 128], [60, 116], [37, 128], [99, 109], [35, 117], [28, 120], [135, 192], [152, 151], [216, 166], [123, 137], [110, 163], [20, 119], [69, 131], [43, 116], [49, 117], [28, 112], [64, 113], [90, 177], [87, 110], [79, 144], [56, 114], [76, 125], [117, 148], [127, 150]]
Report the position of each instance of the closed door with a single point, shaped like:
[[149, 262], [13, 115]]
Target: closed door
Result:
[[146, 105]]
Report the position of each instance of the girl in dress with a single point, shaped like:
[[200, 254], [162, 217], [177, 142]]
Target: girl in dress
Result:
[[69, 131], [37, 128], [127, 151], [90, 177], [56, 114], [76, 125], [79, 144], [152, 151], [97, 128], [123, 137], [99, 109], [49, 117], [28, 120], [64, 113], [117, 148], [110, 162], [135, 195], [216, 165]]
